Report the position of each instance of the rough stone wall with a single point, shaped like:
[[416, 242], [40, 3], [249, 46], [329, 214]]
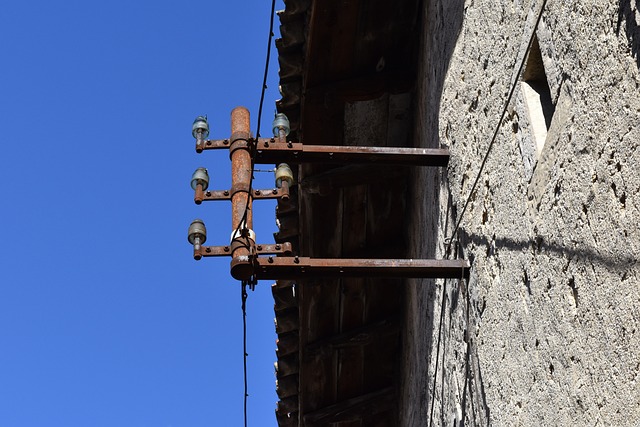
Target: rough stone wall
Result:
[[547, 331]]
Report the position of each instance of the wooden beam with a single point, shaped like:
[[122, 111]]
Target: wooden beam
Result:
[[354, 408], [287, 343], [354, 337]]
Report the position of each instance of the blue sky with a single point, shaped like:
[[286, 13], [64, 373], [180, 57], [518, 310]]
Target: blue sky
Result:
[[105, 318]]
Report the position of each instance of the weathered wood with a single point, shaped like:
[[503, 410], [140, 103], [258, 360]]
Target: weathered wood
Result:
[[287, 343], [287, 419], [287, 386], [284, 298], [287, 364], [357, 337], [287, 321], [287, 405], [354, 408]]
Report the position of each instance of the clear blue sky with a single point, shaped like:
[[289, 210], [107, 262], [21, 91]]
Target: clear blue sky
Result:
[[105, 318]]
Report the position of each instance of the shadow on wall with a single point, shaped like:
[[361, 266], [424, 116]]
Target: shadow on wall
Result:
[[630, 15], [618, 264], [426, 385]]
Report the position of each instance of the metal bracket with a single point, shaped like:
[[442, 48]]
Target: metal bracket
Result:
[[275, 268], [268, 151], [211, 251], [246, 262], [212, 195]]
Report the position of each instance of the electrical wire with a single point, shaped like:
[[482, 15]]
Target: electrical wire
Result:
[[450, 240], [495, 133], [253, 145], [242, 223], [244, 346], [266, 67]]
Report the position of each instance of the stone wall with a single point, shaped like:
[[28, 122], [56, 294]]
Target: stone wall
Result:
[[547, 331]]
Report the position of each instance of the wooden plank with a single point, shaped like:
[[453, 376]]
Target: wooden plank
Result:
[[357, 337], [354, 408]]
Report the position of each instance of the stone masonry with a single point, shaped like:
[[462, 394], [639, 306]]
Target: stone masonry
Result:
[[547, 330]]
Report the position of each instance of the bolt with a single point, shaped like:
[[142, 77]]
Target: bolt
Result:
[[208, 142], [226, 192], [257, 192], [225, 142], [290, 145], [296, 260], [277, 247], [270, 260], [266, 144], [226, 249], [208, 193], [259, 247], [207, 250], [274, 191]]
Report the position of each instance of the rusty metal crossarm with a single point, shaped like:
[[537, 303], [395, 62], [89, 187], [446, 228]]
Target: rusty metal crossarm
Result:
[[269, 151], [275, 268], [213, 251], [296, 153], [213, 144], [212, 195]]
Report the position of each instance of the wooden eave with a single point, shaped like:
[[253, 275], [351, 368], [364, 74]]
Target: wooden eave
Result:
[[347, 74]]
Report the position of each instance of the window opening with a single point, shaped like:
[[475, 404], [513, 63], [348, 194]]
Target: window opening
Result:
[[537, 95]]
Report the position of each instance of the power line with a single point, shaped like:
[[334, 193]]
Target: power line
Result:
[[244, 346], [246, 210], [266, 66], [450, 240], [495, 133], [253, 146]]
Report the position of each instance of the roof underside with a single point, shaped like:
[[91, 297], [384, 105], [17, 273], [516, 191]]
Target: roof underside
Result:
[[347, 72]]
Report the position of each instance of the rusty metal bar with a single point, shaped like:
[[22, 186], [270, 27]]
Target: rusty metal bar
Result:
[[213, 144], [274, 249], [211, 195], [275, 268], [269, 152]]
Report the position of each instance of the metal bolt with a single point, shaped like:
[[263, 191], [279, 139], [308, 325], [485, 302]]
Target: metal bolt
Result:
[[208, 193], [207, 250], [296, 260], [289, 145], [225, 142], [277, 247], [266, 144], [270, 260], [226, 192], [226, 249], [208, 142], [259, 247], [274, 191], [257, 192]]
